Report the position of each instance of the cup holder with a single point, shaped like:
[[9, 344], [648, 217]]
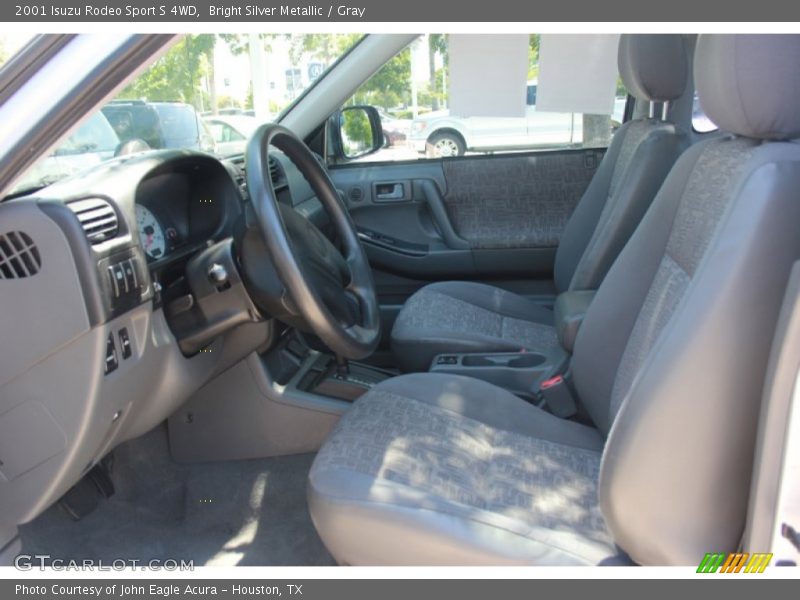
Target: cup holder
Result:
[[478, 360], [512, 361], [526, 361]]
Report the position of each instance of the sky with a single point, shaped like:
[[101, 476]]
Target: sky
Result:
[[11, 41]]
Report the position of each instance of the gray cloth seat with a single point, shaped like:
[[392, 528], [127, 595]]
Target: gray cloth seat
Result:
[[459, 316], [517, 483], [655, 69], [669, 364]]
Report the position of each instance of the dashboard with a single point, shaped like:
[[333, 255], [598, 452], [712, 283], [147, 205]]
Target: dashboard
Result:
[[152, 235], [98, 327], [181, 210]]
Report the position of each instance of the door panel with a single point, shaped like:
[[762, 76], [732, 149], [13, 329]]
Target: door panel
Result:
[[409, 235], [435, 219], [516, 201], [485, 218]]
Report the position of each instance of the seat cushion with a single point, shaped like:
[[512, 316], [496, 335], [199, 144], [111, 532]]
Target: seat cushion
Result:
[[460, 316], [443, 469]]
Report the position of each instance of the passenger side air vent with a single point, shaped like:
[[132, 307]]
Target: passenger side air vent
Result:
[[356, 194], [19, 256], [98, 219]]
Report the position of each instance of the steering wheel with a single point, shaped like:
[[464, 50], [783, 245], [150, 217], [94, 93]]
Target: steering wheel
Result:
[[332, 291]]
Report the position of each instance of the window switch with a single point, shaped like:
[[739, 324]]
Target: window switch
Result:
[[112, 276], [130, 275], [121, 286], [125, 343], [447, 360], [111, 355]]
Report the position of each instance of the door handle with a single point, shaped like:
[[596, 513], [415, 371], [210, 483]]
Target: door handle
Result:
[[390, 192]]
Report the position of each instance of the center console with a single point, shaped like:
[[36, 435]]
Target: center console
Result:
[[308, 377], [519, 372], [303, 371], [523, 373]]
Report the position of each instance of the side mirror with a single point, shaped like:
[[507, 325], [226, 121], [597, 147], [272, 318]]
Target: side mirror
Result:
[[356, 131]]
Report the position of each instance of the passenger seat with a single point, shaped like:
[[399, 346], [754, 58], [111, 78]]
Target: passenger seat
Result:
[[449, 317]]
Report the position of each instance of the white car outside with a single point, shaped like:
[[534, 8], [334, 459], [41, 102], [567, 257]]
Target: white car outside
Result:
[[439, 134], [231, 132]]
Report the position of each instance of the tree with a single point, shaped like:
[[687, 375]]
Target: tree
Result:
[[225, 101], [178, 74], [212, 77], [248, 100], [390, 86], [437, 44], [240, 44], [323, 47], [237, 43], [533, 57]]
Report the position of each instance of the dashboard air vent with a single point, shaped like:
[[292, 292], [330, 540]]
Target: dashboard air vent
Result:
[[274, 170], [356, 194], [98, 219], [19, 256], [239, 176]]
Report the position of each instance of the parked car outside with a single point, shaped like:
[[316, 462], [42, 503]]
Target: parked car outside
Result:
[[440, 134], [231, 111], [396, 131], [93, 142], [159, 124], [231, 132]]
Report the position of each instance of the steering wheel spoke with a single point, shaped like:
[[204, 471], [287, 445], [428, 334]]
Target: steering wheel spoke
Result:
[[332, 289]]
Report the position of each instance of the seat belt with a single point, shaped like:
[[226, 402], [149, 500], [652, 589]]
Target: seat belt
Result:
[[559, 396]]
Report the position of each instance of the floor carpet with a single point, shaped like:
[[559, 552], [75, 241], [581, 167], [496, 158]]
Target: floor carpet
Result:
[[250, 512]]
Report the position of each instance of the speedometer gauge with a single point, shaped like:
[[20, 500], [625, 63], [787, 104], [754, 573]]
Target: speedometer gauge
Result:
[[150, 233]]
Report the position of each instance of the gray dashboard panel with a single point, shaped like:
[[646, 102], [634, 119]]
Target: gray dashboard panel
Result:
[[60, 412], [43, 311]]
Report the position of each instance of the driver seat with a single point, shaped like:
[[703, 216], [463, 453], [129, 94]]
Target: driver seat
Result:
[[463, 316], [669, 364]]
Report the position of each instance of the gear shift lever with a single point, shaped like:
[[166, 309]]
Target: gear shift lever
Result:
[[342, 367]]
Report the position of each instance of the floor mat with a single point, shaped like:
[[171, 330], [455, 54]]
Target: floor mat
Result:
[[249, 512]]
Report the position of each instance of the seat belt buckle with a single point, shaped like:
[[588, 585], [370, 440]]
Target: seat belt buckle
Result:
[[557, 394]]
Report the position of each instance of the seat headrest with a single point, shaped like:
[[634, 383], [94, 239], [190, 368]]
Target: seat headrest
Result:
[[654, 68], [750, 84]]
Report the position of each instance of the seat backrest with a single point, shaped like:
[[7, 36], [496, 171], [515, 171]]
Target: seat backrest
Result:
[[671, 356], [654, 68]]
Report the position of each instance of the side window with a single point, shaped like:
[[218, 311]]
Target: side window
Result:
[[413, 95]]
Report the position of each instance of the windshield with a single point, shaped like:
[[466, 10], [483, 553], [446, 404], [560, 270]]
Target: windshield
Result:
[[179, 124], [208, 93], [95, 135]]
